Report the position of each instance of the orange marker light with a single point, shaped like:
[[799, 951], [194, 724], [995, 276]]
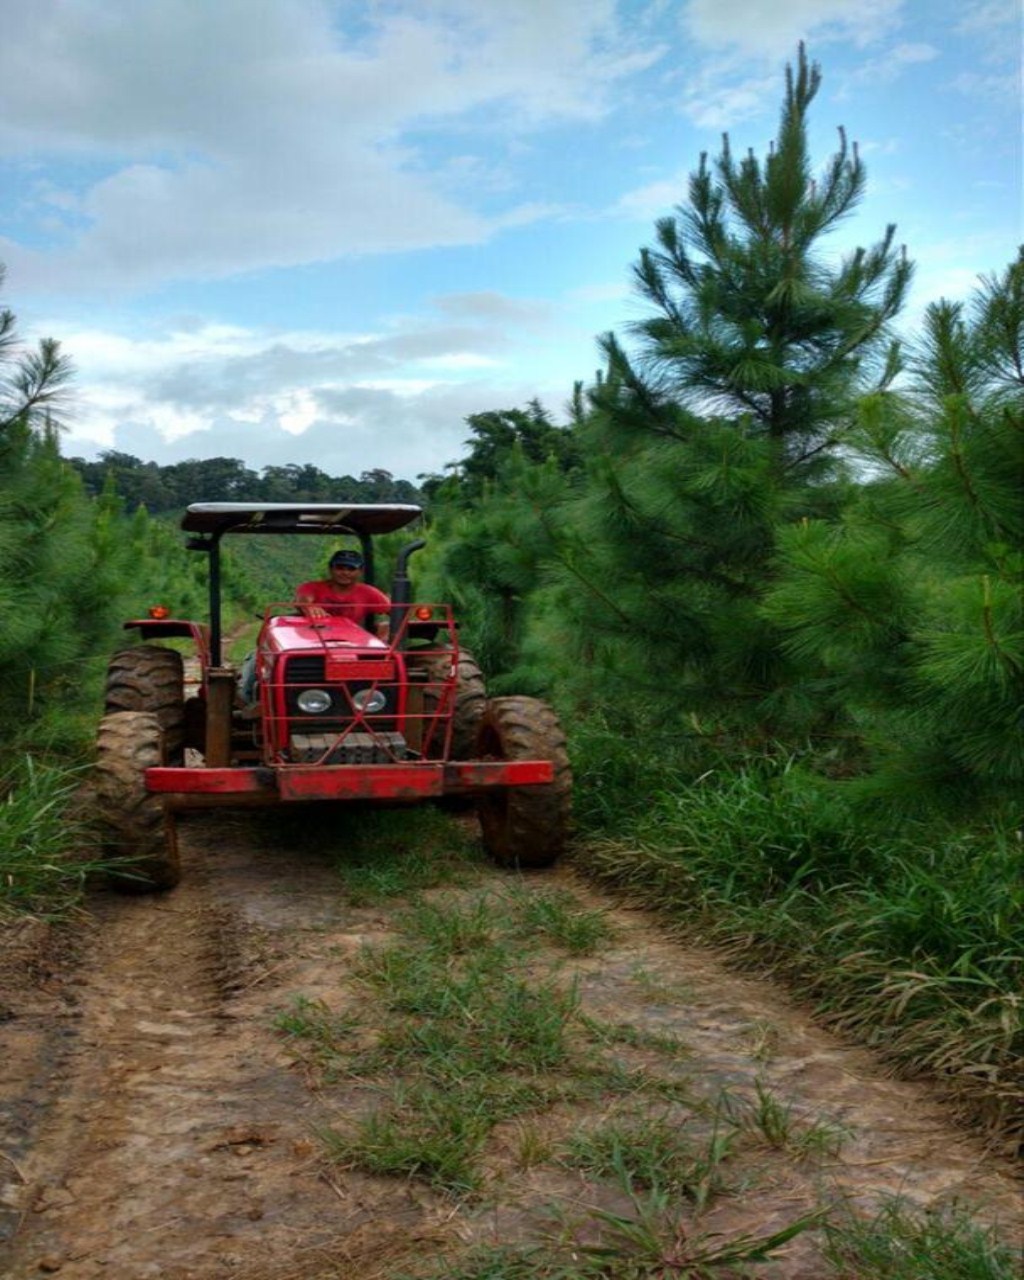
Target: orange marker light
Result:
[[424, 613], [159, 611]]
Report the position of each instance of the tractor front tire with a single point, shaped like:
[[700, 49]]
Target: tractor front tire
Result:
[[137, 831], [524, 826], [470, 697], [150, 678]]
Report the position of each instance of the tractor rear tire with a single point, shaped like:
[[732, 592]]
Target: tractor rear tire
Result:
[[150, 678], [470, 697], [524, 826], [137, 831]]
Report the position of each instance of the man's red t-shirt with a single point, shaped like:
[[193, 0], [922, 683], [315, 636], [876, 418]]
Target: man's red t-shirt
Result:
[[358, 602]]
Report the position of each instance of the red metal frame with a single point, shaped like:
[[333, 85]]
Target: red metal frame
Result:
[[342, 663], [418, 781], [278, 779]]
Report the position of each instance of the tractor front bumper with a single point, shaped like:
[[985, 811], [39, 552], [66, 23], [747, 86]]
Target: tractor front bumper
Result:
[[204, 788]]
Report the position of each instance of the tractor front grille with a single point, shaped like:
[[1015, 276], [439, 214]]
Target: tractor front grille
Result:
[[353, 748], [340, 734], [308, 671]]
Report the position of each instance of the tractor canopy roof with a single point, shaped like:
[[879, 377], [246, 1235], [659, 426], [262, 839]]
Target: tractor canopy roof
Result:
[[362, 519]]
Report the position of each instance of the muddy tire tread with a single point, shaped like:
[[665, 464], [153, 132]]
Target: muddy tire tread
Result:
[[135, 825], [525, 826], [150, 678], [470, 698]]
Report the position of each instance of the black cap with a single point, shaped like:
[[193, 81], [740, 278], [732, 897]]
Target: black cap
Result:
[[347, 557]]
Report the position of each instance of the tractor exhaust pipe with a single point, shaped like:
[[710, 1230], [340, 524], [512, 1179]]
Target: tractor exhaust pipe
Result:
[[401, 590]]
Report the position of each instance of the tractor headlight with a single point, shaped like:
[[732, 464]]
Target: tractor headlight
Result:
[[314, 701], [371, 700]]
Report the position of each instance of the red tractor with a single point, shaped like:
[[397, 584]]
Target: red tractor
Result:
[[336, 714]]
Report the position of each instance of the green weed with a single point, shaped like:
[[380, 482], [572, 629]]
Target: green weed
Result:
[[503, 1262], [476, 1018], [424, 1133], [778, 1124], [644, 1151], [47, 850], [385, 853], [452, 927], [656, 1239], [636, 1037], [323, 1034], [903, 1243], [557, 917]]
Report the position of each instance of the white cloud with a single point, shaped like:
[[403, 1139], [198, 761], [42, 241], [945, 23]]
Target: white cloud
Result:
[[888, 66], [226, 137], [269, 397], [712, 102], [774, 27], [990, 20], [747, 39], [610, 291], [992, 86], [405, 427], [654, 200], [489, 306]]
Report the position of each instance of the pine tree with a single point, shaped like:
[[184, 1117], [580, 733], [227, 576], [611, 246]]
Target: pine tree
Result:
[[33, 382], [913, 610], [62, 566], [723, 423]]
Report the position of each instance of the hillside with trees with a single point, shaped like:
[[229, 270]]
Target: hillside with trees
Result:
[[172, 487]]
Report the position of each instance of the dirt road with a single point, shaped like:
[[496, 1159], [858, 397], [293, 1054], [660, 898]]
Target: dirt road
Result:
[[156, 1123]]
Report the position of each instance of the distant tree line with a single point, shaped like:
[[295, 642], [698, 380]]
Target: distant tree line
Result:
[[172, 487]]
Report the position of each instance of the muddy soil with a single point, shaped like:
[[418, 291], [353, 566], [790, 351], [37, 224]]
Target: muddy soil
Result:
[[154, 1123]]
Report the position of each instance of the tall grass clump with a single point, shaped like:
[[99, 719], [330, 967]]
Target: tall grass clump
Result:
[[899, 1243], [910, 934], [619, 766], [46, 848]]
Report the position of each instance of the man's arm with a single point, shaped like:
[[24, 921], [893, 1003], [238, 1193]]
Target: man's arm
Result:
[[381, 620], [307, 601]]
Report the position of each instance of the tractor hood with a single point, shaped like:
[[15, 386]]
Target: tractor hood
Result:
[[299, 634]]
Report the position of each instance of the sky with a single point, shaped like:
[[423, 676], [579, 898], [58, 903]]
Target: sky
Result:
[[327, 231]]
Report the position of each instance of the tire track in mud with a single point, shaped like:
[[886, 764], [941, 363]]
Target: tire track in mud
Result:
[[165, 1107], [174, 1137]]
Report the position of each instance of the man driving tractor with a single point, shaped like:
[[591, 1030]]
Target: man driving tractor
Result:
[[343, 594]]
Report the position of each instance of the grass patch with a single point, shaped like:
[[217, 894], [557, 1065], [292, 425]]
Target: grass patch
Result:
[[425, 1133], [901, 1243], [557, 917], [459, 1032], [47, 849], [651, 1242], [453, 927], [912, 938], [387, 853], [609, 1033], [323, 1034], [647, 1151], [779, 1125], [476, 1015]]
